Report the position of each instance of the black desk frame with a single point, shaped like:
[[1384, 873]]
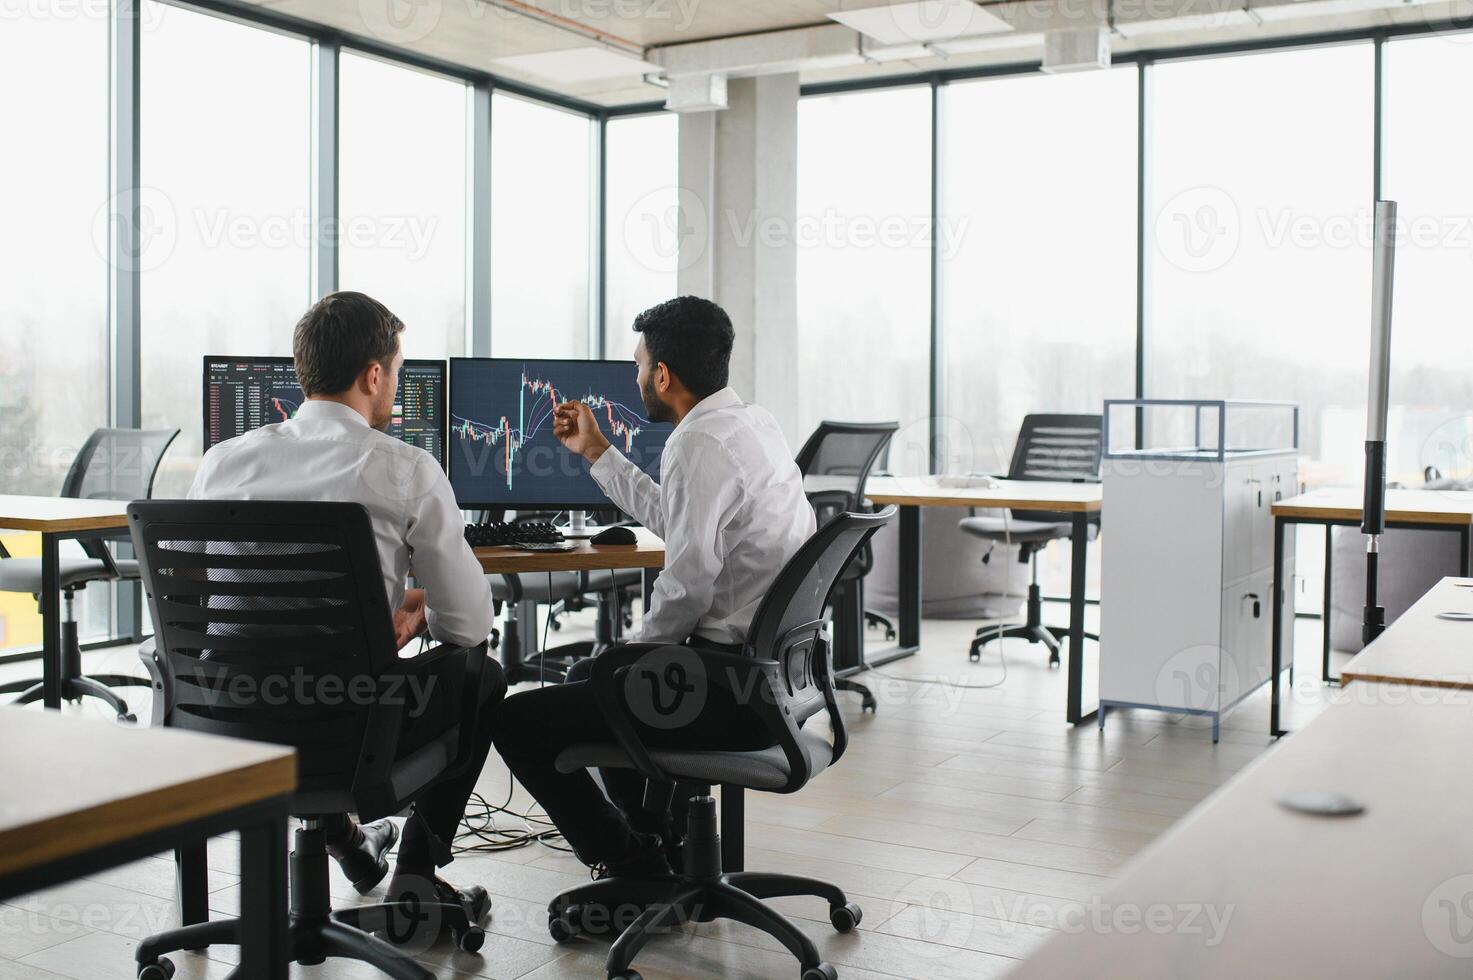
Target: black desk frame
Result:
[[849, 654], [263, 865], [1281, 524]]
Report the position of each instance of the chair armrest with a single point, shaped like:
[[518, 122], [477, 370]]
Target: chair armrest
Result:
[[148, 653], [750, 681]]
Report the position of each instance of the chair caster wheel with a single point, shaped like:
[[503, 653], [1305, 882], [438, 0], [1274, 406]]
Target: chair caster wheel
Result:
[[626, 975], [821, 972], [129, 718], [890, 635], [845, 917], [161, 969], [564, 926], [469, 940], [868, 704]]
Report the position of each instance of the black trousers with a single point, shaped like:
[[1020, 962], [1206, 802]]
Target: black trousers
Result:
[[534, 727], [430, 830]]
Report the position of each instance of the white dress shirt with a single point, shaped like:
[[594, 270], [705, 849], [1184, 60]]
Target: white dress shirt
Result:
[[731, 508], [329, 452]]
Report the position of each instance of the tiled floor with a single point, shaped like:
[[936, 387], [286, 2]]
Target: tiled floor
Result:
[[964, 821]]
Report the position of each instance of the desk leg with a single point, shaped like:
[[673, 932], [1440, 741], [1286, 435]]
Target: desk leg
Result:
[[909, 626], [192, 883], [263, 925], [1464, 534], [1077, 566], [51, 666], [1276, 643], [733, 829], [1329, 604]]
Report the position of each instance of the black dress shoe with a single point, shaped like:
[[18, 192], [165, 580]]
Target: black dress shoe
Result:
[[430, 906], [366, 863]]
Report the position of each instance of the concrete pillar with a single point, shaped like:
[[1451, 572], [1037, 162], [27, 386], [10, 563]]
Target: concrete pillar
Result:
[[738, 208]]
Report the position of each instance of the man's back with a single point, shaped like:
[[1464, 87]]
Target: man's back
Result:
[[329, 452]]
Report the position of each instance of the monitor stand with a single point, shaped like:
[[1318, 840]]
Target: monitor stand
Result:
[[578, 526]]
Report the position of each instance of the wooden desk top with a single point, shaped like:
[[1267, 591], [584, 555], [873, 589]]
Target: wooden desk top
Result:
[[54, 514], [74, 785], [917, 491], [1377, 895], [647, 552], [1421, 649], [1451, 507]]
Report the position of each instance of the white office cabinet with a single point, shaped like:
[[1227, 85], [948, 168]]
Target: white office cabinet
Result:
[[1186, 592]]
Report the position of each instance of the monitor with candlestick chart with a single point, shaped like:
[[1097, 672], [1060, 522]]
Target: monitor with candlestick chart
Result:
[[501, 447], [245, 393]]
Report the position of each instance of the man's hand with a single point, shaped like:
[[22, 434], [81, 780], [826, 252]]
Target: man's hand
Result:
[[409, 619], [574, 424]]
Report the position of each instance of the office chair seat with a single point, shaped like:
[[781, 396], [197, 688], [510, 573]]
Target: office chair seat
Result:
[[535, 587], [24, 574], [765, 769], [1019, 532]]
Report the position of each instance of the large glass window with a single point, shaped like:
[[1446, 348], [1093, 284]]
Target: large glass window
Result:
[[402, 198], [226, 172], [1427, 163], [640, 208], [542, 183], [53, 267], [1258, 257], [863, 239], [1037, 250]]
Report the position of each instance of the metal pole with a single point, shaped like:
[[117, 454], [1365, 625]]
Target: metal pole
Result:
[[1373, 520]]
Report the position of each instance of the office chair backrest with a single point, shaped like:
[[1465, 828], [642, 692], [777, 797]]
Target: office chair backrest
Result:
[[789, 622], [844, 449], [271, 623], [1065, 448], [116, 464]]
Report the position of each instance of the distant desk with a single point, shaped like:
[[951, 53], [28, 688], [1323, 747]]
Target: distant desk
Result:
[[647, 553], [1434, 510], [1382, 894], [58, 518], [1419, 649], [1079, 500], [83, 795]]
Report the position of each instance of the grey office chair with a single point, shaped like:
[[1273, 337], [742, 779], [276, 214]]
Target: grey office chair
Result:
[[1050, 447], [113, 464], [783, 679], [262, 610], [848, 452]]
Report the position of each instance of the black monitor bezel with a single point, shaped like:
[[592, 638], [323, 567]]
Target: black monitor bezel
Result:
[[603, 503], [443, 402]]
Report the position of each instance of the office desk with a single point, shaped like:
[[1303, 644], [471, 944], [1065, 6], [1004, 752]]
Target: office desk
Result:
[[1437, 510], [647, 553], [58, 518], [1419, 649], [1079, 500], [82, 796], [1381, 894]]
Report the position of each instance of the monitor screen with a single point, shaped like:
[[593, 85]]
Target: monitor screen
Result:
[[501, 446], [245, 393]]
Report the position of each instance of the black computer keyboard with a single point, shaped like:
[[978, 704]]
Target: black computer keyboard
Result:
[[500, 534]]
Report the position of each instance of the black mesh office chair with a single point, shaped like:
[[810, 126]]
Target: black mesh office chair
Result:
[[255, 603], [1050, 447], [844, 454], [783, 676], [113, 464]]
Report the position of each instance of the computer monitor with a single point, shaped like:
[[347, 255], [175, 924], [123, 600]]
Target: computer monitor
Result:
[[501, 448], [245, 393]]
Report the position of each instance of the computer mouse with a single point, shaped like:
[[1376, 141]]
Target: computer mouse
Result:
[[615, 535]]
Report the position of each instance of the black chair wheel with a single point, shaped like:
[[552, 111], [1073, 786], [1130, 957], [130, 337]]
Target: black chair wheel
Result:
[[626, 975], [890, 635], [845, 917], [470, 939], [564, 926], [554, 625], [868, 704], [821, 972], [130, 718], [161, 969]]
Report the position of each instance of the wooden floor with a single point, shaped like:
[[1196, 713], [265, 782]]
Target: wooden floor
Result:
[[964, 822]]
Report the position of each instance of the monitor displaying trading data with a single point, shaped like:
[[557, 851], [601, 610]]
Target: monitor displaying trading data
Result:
[[245, 393], [501, 447]]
